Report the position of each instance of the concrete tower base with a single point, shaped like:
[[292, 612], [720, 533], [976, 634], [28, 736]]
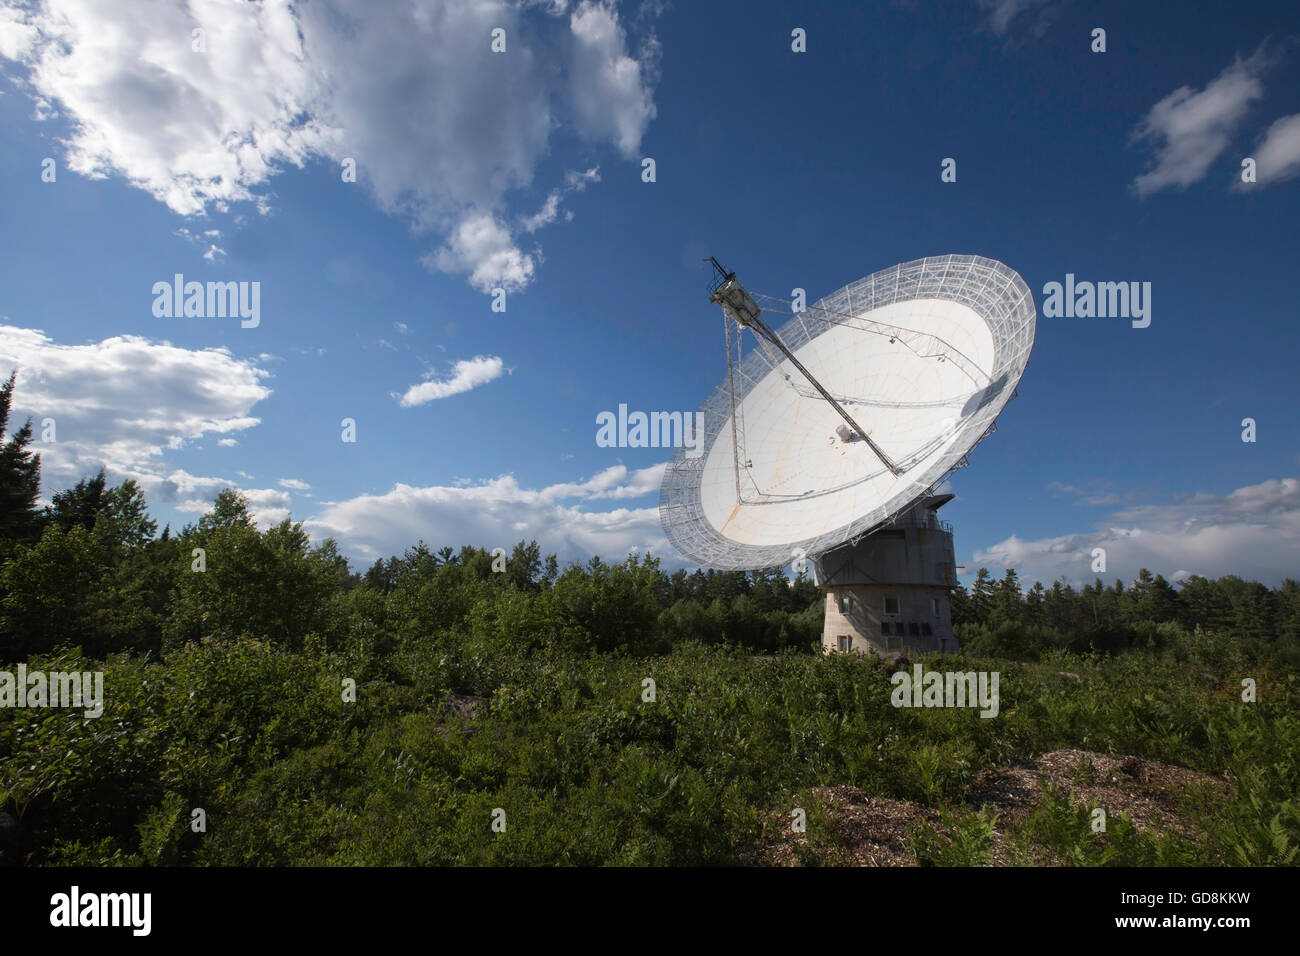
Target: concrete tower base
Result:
[[888, 594]]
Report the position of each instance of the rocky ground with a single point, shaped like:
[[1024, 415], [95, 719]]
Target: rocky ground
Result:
[[877, 831]]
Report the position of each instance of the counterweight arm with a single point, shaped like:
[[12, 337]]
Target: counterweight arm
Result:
[[740, 305]]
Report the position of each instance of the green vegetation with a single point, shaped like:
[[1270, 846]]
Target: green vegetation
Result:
[[225, 690]]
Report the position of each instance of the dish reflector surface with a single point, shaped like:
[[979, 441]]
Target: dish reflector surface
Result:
[[923, 355]]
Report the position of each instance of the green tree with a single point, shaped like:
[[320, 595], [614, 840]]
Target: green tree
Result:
[[124, 520], [959, 603], [1204, 605], [48, 590], [1060, 605], [79, 505], [1006, 600], [120, 515], [981, 599], [524, 568], [1034, 599], [271, 585], [1287, 620], [20, 477]]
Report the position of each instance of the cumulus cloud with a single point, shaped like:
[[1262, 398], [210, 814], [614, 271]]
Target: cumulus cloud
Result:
[[191, 128], [1189, 129], [294, 484], [267, 506], [121, 402], [498, 513], [441, 128], [610, 97], [466, 374], [1277, 157], [1253, 532], [614, 482], [481, 246]]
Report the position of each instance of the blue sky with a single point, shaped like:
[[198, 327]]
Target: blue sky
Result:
[[523, 170]]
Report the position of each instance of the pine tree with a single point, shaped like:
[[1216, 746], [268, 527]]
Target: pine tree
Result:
[[1034, 603], [981, 601], [1164, 600], [1006, 600], [124, 520], [20, 477], [78, 506], [1059, 606], [959, 603]]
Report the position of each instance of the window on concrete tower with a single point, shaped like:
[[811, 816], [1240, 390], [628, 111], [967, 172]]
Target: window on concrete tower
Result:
[[913, 630], [846, 643], [925, 629], [891, 605], [844, 604], [934, 603]]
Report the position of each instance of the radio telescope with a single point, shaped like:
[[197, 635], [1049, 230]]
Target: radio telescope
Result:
[[828, 438]]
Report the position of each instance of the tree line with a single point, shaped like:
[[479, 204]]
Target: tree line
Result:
[[90, 570]]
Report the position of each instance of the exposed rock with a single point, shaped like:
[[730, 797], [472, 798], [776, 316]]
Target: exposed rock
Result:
[[464, 706], [876, 831]]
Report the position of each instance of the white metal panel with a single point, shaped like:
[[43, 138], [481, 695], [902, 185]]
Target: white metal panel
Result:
[[923, 355]]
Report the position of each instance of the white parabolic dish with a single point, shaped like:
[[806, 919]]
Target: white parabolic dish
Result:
[[923, 356]]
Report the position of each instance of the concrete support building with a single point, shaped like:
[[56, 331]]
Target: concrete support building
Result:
[[888, 593]]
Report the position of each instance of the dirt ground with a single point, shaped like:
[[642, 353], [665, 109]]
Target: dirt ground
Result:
[[875, 831]]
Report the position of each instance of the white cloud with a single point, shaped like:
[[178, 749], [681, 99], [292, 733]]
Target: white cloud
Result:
[[267, 506], [294, 484], [466, 374], [1253, 532], [402, 327], [1002, 15], [574, 181], [1277, 157], [227, 442], [441, 128], [611, 98], [192, 129], [544, 216], [498, 513], [214, 252], [17, 37], [614, 482], [483, 247], [1095, 493], [1189, 129], [122, 402]]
